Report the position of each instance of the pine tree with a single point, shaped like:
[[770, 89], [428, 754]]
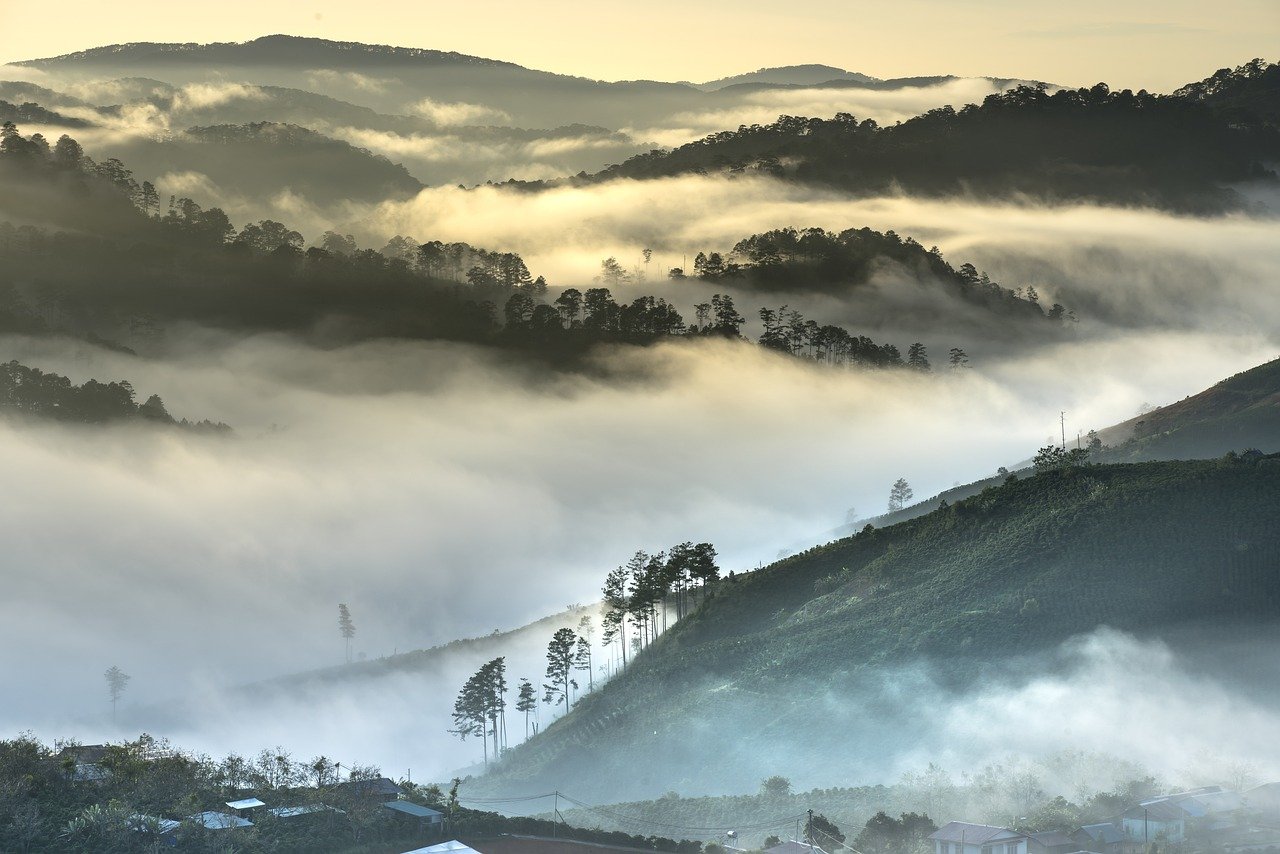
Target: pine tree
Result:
[[526, 701], [117, 680], [899, 494], [560, 668], [346, 628]]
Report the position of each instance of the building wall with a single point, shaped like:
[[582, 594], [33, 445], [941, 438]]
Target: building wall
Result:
[[1174, 831]]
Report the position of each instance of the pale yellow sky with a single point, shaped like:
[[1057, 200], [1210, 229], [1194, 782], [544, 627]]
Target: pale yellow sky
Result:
[[1156, 44]]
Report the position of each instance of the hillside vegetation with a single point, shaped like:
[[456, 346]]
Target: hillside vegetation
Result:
[[775, 660], [1095, 144], [1242, 411]]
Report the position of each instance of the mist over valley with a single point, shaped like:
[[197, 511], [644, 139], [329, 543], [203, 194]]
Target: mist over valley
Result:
[[407, 437]]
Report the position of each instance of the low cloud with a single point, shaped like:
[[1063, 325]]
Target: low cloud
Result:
[[452, 113], [326, 78], [885, 106]]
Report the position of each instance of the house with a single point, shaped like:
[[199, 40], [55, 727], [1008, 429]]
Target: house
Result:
[[793, 847], [163, 830], [960, 837], [1103, 838], [1265, 800], [213, 820], [1154, 819], [244, 806], [82, 762], [301, 810], [453, 846], [1051, 842], [424, 816], [1210, 808], [378, 788]]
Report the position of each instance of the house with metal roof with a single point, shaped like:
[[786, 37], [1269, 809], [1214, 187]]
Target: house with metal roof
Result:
[[1265, 799], [213, 820], [453, 846], [425, 814], [301, 810], [1104, 838], [379, 788], [1051, 842], [244, 806], [791, 846], [961, 837]]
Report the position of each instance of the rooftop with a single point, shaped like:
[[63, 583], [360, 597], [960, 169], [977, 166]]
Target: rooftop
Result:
[[245, 804], [413, 809], [973, 834], [219, 820]]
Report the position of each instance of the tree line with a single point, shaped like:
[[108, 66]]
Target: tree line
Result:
[[31, 391], [639, 595], [1090, 143]]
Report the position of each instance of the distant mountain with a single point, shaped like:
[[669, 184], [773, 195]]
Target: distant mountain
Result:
[[870, 635], [802, 75], [395, 80], [282, 50], [261, 159]]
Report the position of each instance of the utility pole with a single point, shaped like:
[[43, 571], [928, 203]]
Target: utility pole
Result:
[[1062, 420], [555, 816], [808, 830]]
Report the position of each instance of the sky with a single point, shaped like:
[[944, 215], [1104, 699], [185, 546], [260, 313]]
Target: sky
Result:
[[1153, 44]]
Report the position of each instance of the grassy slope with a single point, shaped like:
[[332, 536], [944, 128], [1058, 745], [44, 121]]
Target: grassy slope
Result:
[[1019, 568], [1240, 412]]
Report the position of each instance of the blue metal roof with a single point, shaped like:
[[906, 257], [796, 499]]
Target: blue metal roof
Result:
[[413, 809]]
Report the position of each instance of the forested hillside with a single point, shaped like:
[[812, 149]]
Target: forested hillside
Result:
[[106, 256], [984, 587], [1247, 93], [1092, 144]]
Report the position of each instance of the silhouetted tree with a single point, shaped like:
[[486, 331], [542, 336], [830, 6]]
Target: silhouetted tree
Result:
[[560, 651], [117, 680], [346, 628]]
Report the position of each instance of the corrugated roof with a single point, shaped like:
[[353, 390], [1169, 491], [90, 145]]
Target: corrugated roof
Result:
[[142, 823], [378, 786], [246, 804], [1156, 811], [793, 847], [413, 809], [219, 820], [1053, 838], [973, 834], [1106, 833], [291, 812], [451, 845]]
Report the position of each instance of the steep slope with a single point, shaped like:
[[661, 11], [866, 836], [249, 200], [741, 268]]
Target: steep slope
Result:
[[1240, 412], [869, 636]]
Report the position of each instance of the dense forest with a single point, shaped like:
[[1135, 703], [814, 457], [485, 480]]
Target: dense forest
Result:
[[113, 260], [971, 588], [30, 391], [1088, 144], [1249, 93]]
